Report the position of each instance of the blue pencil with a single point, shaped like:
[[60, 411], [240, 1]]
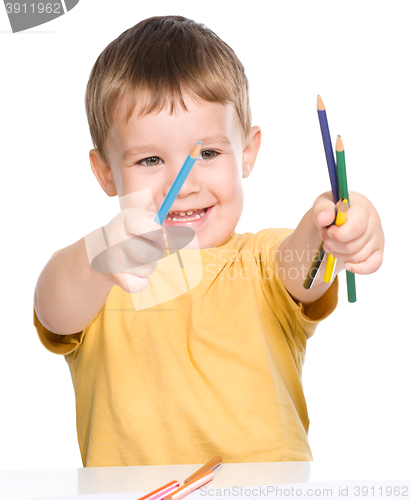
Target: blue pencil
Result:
[[177, 184], [327, 143], [331, 166]]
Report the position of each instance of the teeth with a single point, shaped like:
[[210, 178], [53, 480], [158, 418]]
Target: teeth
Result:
[[189, 212], [189, 219]]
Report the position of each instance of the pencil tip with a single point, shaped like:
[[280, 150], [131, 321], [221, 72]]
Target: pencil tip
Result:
[[339, 144], [320, 104], [195, 150]]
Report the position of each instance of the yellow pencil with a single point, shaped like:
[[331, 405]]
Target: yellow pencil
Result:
[[342, 208]]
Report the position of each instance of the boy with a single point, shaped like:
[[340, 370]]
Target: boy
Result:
[[215, 370]]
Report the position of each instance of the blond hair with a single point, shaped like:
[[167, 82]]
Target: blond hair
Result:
[[162, 57]]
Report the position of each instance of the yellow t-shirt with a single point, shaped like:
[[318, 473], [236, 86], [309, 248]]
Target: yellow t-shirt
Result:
[[215, 371]]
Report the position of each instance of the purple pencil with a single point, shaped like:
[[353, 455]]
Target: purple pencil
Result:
[[331, 166], [327, 143]]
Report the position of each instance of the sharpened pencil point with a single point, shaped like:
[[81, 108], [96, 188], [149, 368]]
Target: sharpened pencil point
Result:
[[196, 150], [320, 104], [339, 144]]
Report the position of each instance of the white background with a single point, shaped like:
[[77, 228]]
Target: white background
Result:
[[356, 55]]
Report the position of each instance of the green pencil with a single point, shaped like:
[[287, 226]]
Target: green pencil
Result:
[[344, 193]]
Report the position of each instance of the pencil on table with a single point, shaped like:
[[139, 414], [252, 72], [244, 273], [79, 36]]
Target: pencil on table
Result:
[[342, 208], [161, 492], [191, 486], [211, 465], [344, 193]]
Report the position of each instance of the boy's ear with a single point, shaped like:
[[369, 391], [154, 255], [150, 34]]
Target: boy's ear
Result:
[[250, 152], [102, 172]]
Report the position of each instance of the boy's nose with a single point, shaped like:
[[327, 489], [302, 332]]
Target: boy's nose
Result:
[[191, 185]]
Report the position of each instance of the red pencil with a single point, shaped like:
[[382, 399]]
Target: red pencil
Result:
[[162, 492]]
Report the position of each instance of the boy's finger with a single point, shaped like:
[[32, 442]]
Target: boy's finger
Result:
[[349, 248], [368, 266], [323, 210], [138, 251], [128, 254], [139, 223], [355, 251], [132, 222], [354, 227]]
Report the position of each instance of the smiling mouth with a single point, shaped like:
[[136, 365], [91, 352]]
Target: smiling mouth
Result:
[[187, 216]]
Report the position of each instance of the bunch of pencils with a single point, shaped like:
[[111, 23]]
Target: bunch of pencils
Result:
[[338, 182], [172, 490]]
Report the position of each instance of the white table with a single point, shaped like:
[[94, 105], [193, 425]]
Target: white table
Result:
[[42, 483]]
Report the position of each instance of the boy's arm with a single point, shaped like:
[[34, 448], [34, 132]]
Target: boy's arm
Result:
[[358, 245], [69, 294]]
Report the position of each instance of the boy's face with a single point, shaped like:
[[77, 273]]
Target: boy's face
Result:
[[148, 152]]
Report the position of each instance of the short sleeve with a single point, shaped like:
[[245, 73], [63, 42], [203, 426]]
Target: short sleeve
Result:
[[309, 316], [300, 318], [57, 344]]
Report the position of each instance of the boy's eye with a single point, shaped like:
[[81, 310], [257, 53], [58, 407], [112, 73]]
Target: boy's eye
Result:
[[208, 154], [152, 161]]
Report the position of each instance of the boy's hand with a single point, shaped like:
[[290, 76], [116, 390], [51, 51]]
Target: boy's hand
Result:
[[357, 245], [359, 242], [135, 242]]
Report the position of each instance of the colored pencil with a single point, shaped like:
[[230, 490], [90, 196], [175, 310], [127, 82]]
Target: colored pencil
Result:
[[344, 193], [331, 167], [327, 144], [314, 268], [211, 465], [342, 208], [341, 169], [191, 486], [177, 184], [161, 492]]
